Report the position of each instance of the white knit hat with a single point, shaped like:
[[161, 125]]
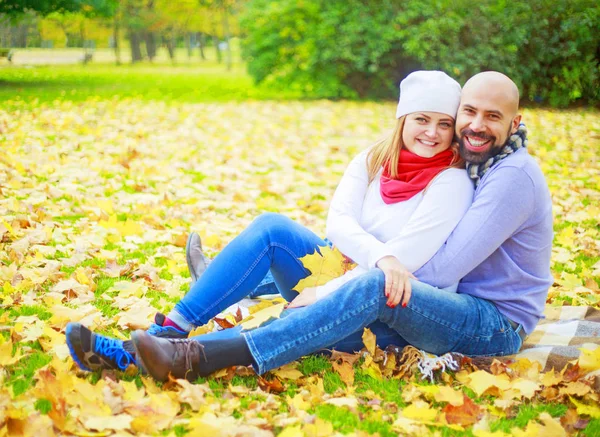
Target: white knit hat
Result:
[[428, 91]]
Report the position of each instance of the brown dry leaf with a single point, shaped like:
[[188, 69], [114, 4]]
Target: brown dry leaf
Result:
[[466, 414], [369, 341], [572, 372], [344, 356], [346, 372], [576, 388], [272, 386], [571, 421]]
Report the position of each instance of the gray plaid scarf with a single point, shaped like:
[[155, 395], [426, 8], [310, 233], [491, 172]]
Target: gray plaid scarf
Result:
[[514, 143]]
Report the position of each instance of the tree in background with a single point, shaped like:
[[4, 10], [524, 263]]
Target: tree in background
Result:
[[16, 8], [352, 48]]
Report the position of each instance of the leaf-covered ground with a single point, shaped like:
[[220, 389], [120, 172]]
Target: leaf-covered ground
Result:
[[96, 200]]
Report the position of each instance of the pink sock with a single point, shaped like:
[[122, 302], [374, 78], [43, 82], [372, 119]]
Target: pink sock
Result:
[[169, 322]]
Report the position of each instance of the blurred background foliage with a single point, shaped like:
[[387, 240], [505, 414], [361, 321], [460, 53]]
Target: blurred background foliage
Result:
[[338, 48]]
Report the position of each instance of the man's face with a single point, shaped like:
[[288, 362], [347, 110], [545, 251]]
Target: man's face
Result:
[[484, 122]]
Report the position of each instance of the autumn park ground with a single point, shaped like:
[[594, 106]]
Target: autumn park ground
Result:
[[103, 172]]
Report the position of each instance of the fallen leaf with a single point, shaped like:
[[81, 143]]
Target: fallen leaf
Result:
[[466, 414], [323, 267], [260, 317], [369, 341]]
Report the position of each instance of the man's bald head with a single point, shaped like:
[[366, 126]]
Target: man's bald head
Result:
[[488, 114], [495, 84]]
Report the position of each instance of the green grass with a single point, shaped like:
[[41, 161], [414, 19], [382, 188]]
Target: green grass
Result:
[[196, 83], [345, 421], [525, 414], [21, 376]]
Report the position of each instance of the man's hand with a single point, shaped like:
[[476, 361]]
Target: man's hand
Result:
[[397, 281], [304, 299]]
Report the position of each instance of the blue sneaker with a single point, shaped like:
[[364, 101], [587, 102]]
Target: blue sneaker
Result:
[[95, 352], [158, 330]]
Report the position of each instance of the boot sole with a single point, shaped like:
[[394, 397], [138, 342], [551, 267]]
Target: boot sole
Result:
[[188, 259], [72, 346]]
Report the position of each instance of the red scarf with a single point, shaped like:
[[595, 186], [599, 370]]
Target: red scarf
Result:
[[414, 173]]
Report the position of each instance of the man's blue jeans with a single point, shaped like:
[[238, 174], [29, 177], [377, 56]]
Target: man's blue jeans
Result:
[[434, 320], [268, 249]]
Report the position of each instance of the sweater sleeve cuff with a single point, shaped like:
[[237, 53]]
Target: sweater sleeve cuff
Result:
[[378, 253]]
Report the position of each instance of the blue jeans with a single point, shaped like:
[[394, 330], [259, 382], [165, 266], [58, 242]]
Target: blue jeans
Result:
[[269, 248], [434, 320]]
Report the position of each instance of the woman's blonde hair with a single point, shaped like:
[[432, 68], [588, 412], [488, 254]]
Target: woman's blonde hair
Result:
[[388, 151]]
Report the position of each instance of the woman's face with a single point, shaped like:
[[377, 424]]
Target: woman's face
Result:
[[427, 133]]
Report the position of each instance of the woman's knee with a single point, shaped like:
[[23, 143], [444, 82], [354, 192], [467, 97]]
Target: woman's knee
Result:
[[270, 223]]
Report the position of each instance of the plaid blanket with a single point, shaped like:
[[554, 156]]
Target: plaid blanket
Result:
[[558, 339]]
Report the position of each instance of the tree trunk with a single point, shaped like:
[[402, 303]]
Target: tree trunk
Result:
[[150, 45], [216, 42], [116, 36], [170, 43], [227, 38], [188, 44], [134, 40], [201, 46]]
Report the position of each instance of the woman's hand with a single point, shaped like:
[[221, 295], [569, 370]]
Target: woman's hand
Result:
[[304, 299], [397, 281]]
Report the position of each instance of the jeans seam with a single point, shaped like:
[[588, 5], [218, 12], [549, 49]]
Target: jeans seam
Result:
[[246, 274], [258, 359], [289, 345]]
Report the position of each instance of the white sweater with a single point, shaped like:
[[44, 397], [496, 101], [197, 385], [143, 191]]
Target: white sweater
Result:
[[364, 228]]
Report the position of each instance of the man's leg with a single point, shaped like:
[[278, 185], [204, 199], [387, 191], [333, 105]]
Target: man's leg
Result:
[[434, 320], [272, 242]]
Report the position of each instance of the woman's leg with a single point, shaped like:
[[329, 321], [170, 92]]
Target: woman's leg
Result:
[[434, 320], [272, 242]]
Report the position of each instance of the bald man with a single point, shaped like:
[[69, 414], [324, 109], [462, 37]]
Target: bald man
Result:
[[500, 253]]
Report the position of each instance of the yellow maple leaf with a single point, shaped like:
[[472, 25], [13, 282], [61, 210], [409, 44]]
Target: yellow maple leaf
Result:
[[260, 317], [448, 394], [420, 411], [592, 410], [324, 266], [481, 380], [589, 359], [6, 356]]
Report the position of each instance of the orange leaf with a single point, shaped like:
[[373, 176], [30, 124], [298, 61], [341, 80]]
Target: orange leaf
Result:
[[466, 414], [272, 386]]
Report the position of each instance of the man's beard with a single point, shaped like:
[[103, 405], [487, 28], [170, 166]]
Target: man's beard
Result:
[[475, 157]]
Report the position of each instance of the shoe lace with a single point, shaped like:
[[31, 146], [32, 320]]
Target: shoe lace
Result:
[[188, 349], [112, 349], [156, 329]]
